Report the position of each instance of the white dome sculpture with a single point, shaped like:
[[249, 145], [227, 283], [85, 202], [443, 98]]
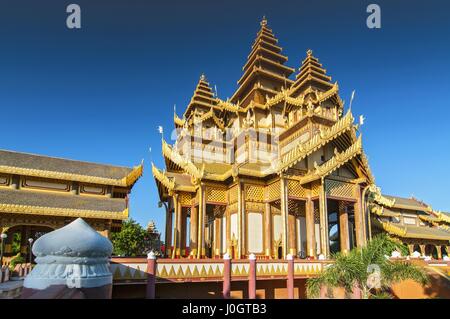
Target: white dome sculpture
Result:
[[74, 255]]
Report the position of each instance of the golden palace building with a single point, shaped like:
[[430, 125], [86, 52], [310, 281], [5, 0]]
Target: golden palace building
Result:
[[41, 193], [278, 169]]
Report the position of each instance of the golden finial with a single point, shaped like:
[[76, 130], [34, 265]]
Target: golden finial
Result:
[[263, 21], [202, 77], [309, 52]]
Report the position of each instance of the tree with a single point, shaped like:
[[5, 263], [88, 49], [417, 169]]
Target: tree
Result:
[[368, 269], [131, 241]]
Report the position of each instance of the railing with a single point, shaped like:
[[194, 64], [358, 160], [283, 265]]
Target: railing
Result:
[[126, 270], [20, 270]]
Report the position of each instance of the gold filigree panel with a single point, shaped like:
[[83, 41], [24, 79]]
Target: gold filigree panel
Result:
[[273, 191], [339, 189], [233, 194], [185, 199], [254, 193], [315, 189], [216, 195], [296, 189]]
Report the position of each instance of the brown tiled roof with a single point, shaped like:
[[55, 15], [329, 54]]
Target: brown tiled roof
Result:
[[407, 203], [53, 164]]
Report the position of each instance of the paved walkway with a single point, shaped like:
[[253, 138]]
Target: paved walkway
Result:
[[11, 289]]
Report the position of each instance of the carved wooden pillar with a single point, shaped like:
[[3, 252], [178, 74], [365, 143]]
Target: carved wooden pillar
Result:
[[325, 244], [176, 230], [359, 225], [422, 249], [241, 222], [201, 222], [292, 223], [411, 248], [267, 230], [439, 251], [217, 237], [168, 240], [183, 214], [310, 231], [284, 215], [228, 233], [343, 227], [193, 231], [179, 226]]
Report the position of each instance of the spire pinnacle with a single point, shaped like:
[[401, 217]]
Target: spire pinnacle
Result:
[[309, 52], [203, 77], [263, 21]]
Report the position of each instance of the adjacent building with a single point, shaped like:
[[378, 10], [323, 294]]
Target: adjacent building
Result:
[[40, 193]]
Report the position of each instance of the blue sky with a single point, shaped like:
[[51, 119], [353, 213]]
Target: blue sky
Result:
[[99, 93]]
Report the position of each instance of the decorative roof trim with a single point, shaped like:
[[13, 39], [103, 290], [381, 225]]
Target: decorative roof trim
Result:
[[58, 211], [334, 163], [317, 141], [126, 181]]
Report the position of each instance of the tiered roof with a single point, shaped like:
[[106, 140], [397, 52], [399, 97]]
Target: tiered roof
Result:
[[203, 97], [311, 75], [265, 61]]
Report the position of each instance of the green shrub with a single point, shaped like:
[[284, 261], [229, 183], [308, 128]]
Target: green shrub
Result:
[[18, 259]]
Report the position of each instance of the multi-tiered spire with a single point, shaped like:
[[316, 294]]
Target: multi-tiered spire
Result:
[[264, 72], [311, 75], [202, 99]]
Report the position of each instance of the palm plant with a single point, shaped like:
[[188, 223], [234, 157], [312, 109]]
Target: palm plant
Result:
[[368, 269]]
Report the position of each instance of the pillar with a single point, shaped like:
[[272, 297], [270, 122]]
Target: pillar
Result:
[[422, 249], [226, 276], [284, 215], [411, 249], [310, 229], [193, 231], [217, 237], [343, 227], [323, 221], [176, 230], [241, 222], [179, 219], [228, 233], [290, 276], [201, 222], [252, 277], [151, 276], [292, 225], [168, 235], [267, 230], [359, 225], [439, 251]]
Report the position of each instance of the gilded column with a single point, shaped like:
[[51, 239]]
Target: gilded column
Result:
[[241, 222], [267, 230], [284, 215], [176, 230], [292, 225], [201, 222], [359, 225], [310, 229], [343, 227], [228, 233], [183, 214], [217, 237], [168, 240], [439, 251], [179, 219], [323, 221], [193, 231]]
